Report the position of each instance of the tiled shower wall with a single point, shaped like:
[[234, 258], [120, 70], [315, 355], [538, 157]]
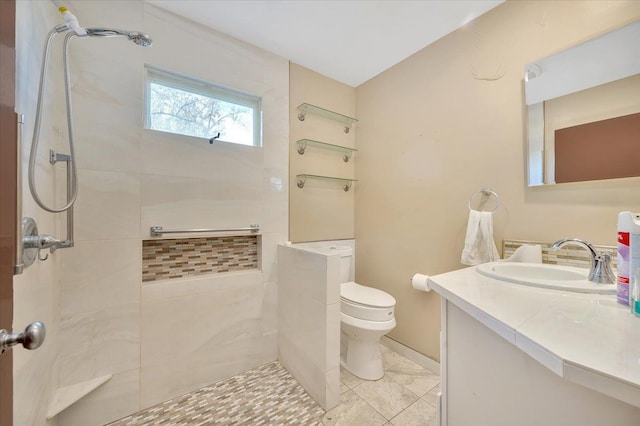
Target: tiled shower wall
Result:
[[111, 322], [37, 290]]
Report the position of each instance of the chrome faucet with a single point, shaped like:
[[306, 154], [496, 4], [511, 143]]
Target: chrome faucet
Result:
[[600, 272]]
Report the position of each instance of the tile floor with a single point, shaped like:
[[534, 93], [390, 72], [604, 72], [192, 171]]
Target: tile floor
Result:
[[405, 396], [269, 395]]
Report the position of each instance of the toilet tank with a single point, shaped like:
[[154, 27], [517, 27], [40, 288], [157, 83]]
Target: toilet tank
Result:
[[346, 255]]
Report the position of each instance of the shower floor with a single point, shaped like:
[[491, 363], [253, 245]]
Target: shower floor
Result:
[[269, 395], [266, 395]]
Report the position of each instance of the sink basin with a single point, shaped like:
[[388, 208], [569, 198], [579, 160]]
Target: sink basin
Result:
[[543, 275]]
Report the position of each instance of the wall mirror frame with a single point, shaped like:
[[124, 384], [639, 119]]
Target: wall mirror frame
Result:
[[587, 91]]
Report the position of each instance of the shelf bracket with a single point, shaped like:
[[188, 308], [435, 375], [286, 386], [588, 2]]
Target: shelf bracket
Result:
[[345, 182], [302, 147], [301, 116], [346, 157], [347, 128]]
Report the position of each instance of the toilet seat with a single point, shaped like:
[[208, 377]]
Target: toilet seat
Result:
[[385, 326], [366, 303]]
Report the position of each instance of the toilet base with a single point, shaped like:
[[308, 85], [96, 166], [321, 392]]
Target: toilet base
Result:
[[363, 359], [360, 346]]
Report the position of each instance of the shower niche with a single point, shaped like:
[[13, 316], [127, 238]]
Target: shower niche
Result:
[[164, 259]]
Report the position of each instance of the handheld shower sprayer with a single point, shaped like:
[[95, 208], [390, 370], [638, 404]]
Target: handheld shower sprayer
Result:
[[72, 29], [72, 24], [138, 38]]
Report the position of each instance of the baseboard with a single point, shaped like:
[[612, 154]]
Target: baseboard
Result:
[[409, 353]]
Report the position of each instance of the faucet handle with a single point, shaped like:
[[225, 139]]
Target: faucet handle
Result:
[[601, 272]]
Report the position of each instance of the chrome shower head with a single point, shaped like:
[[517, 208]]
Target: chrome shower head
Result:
[[138, 38]]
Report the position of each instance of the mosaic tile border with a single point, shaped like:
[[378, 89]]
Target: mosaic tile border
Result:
[[569, 255], [176, 258], [266, 395]]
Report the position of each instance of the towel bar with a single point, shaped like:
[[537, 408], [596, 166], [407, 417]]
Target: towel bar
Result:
[[158, 231]]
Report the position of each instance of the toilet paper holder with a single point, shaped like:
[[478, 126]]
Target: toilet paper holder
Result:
[[420, 282]]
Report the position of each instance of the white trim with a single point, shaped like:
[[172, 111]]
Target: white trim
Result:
[[409, 353]]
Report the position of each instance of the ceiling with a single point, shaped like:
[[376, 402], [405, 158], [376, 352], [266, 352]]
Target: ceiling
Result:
[[349, 41]]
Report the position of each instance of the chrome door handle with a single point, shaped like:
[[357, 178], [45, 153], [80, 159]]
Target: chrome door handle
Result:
[[31, 338]]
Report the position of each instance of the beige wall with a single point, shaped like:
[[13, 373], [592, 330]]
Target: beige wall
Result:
[[321, 210], [448, 121]]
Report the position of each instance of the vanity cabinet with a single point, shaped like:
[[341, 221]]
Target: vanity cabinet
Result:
[[488, 381], [518, 355]]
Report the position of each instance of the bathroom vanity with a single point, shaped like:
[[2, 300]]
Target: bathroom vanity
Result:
[[518, 355]]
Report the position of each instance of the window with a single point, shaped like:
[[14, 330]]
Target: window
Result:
[[187, 106]]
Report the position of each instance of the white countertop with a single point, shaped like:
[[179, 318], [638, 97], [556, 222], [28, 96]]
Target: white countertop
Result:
[[585, 338]]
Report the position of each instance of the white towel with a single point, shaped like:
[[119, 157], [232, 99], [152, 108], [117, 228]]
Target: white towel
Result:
[[478, 244]]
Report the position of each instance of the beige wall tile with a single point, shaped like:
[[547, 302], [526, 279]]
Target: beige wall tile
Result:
[[108, 205], [156, 290], [185, 203], [203, 368], [168, 154], [107, 93], [96, 275], [203, 318], [268, 255], [216, 330], [309, 321], [96, 343]]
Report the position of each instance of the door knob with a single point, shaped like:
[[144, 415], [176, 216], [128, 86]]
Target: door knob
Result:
[[31, 338]]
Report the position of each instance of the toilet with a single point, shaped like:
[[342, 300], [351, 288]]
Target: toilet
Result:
[[366, 314]]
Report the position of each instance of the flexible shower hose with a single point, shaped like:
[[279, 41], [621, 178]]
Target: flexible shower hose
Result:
[[36, 130]]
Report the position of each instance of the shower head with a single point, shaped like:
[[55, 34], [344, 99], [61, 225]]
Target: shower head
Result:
[[140, 39], [137, 37]]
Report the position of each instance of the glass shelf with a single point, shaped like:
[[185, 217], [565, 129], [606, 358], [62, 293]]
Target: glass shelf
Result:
[[302, 179], [303, 143], [305, 108]]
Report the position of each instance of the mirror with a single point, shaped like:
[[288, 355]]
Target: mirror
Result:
[[583, 111]]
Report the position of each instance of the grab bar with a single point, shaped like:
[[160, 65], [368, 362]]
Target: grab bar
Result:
[[157, 231], [18, 268]]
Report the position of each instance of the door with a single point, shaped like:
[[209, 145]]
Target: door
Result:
[[8, 153]]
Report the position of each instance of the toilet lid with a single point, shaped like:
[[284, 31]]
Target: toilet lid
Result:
[[368, 296]]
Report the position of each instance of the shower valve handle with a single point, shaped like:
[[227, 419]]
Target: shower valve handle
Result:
[[43, 241], [31, 338]]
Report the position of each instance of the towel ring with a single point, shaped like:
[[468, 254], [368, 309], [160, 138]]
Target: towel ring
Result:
[[488, 193]]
